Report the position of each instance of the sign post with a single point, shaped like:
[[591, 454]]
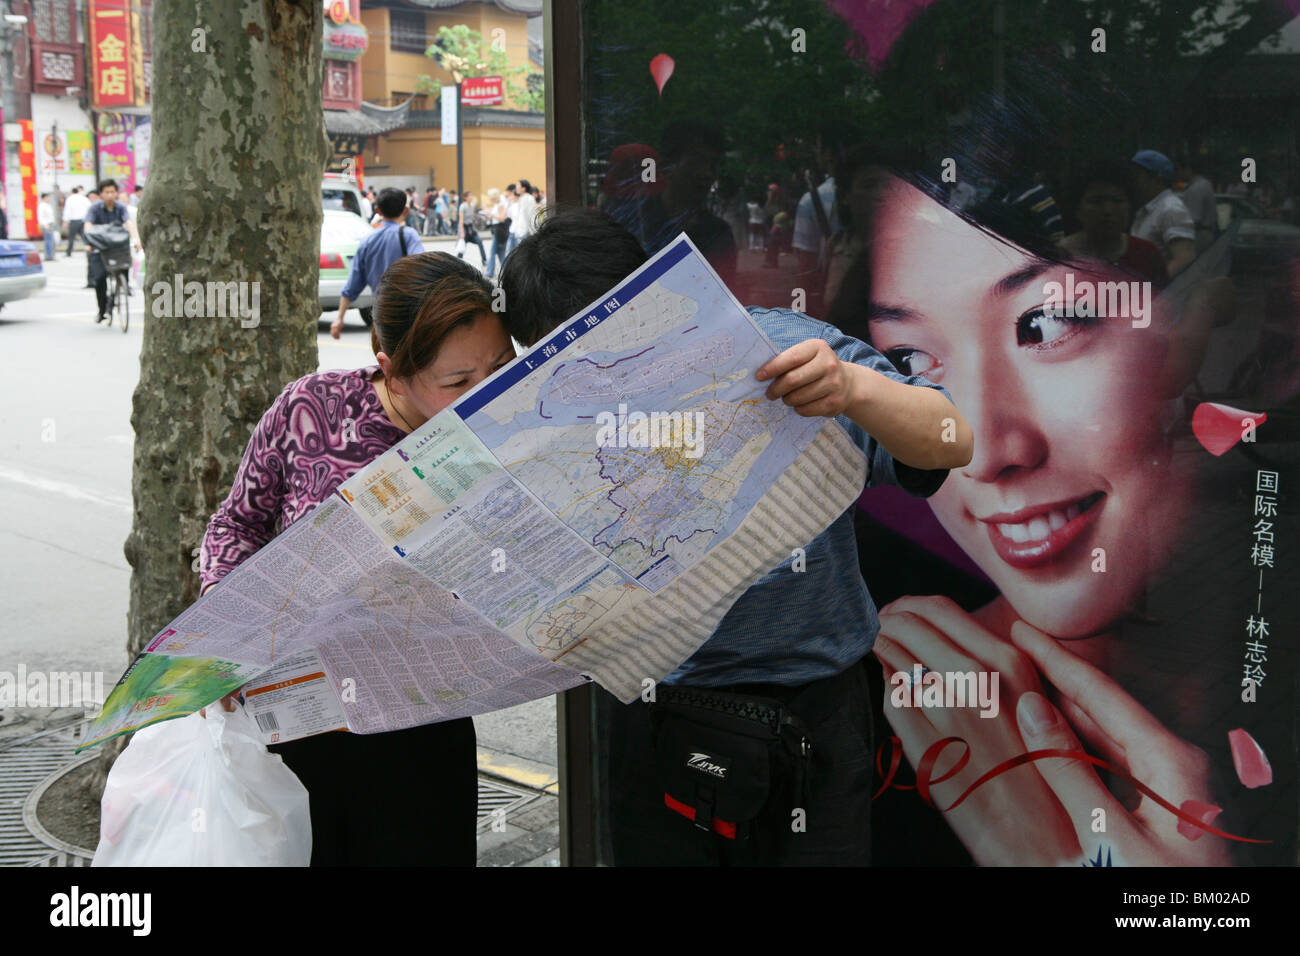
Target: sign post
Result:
[[450, 102], [460, 152]]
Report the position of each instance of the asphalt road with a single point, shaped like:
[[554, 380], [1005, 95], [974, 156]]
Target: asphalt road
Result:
[[65, 479]]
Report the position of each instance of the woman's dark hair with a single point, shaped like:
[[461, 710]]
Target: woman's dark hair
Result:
[[574, 258], [420, 299], [1011, 149]]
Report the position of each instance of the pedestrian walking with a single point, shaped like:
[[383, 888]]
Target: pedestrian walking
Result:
[[468, 230], [390, 241], [525, 216], [440, 213], [499, 215], [45, 219], [74, 217], [430, 195]]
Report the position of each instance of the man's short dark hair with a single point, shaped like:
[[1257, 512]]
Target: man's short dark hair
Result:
[[574, 258], [106, 183], [391, 202], [526, 185]]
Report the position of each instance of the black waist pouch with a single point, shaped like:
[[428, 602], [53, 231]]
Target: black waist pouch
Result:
[[726, 759]]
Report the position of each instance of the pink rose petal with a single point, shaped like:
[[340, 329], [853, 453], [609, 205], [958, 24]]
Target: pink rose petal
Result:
[[1253, 769], [1219, 427], [1205, 812]]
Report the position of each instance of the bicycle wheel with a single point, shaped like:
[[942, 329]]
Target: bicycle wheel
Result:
[[123, 302]]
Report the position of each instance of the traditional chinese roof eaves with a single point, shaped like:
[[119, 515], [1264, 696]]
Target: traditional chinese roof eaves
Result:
[[432, 119], [370, 120], [531, 8]]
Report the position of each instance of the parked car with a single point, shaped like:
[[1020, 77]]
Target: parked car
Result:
[[339, 192], [1261, 242], [340, 234], [21, 272]]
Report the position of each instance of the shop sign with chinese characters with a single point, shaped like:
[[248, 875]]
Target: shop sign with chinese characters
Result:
[[110, 52]]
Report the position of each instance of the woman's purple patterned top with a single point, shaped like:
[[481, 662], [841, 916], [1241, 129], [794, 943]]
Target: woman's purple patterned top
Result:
[[320, 430]]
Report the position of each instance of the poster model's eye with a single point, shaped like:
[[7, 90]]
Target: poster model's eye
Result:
[[1041, 326]]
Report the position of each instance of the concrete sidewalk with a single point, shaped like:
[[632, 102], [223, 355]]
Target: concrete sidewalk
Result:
[[518, 806], [517, 752]]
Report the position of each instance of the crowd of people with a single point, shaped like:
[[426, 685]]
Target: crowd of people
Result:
[[502, 220]]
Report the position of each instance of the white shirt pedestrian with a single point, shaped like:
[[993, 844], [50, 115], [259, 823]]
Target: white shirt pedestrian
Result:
[[1162, 220], [75, 208], [807, 228], [525, 210]]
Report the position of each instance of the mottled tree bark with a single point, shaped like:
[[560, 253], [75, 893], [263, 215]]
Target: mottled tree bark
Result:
[[233, 196]]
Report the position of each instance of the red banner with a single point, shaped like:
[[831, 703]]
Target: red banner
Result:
[[111, 54], [481, 91], [27, 173]]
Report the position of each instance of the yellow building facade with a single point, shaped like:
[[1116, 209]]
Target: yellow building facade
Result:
[[501, 144]]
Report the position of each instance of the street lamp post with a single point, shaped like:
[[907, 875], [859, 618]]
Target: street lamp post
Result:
[[460, 147]]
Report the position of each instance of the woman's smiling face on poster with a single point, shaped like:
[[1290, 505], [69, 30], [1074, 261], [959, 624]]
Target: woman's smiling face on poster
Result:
[[1069, 449]]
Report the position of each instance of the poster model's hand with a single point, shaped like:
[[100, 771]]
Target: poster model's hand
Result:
[[1173, 768], [1013, 819]]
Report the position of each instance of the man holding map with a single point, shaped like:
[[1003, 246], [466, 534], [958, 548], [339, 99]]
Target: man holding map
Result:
[[762, 737]]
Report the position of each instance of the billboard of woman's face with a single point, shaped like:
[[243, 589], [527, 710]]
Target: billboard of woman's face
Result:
[[1074, 497]]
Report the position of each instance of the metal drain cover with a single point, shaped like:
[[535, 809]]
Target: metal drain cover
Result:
[[27, 766], [498, 800]]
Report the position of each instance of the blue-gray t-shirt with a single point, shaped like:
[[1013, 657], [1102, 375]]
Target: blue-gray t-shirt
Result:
[[377, 252], [794, 627]]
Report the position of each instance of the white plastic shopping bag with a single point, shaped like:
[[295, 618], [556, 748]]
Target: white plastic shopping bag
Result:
[[203, 791]]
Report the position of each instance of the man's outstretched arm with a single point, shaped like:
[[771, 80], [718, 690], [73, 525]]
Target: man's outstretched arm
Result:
[[916, 425]]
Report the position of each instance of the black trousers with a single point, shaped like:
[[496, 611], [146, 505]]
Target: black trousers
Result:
[[403, 798], [74, 230], [837, 831], [97, 275]]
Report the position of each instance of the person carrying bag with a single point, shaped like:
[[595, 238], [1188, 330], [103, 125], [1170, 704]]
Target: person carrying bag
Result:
[[468, 232]]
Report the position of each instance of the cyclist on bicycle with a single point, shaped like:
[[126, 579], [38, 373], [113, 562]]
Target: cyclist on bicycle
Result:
[[107, 211]]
